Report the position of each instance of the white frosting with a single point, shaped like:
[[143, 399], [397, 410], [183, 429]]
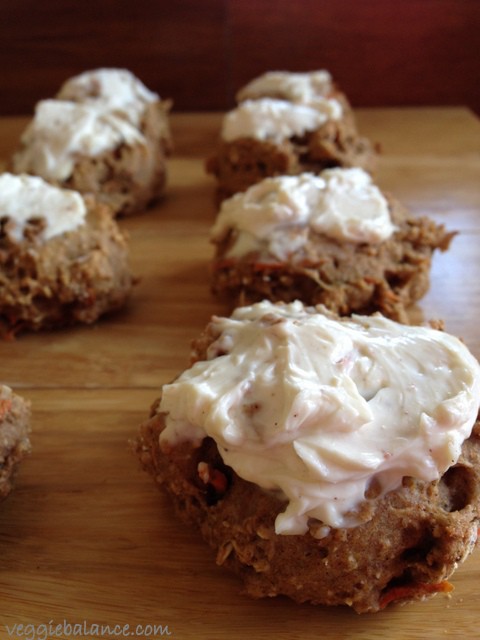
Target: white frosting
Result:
[[61, 131], [94, 112], [275, 214], [295, 87], [111, 89], [24, 198], [319, 409], [276, 120]]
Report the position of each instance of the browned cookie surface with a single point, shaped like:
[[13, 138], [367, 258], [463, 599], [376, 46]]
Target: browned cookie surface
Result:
[[14, 436], [73, 277], [240, 163], [413, 541], [346, 277]]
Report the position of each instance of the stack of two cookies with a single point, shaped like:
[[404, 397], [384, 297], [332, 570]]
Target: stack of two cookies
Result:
[[96, 151], [317, 229], [326, 456]]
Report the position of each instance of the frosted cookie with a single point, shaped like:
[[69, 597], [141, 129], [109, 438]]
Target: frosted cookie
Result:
[[106, 134], [332, 238], [63, 258], [287, 124], [14, 436], [334, 461], [297, 87]]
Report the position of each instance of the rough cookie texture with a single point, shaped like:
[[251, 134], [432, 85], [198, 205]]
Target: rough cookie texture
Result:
[[14, 436], [344, 276], [128, 174], [239, 163], [414, 540], [128, 179], [72, 278]]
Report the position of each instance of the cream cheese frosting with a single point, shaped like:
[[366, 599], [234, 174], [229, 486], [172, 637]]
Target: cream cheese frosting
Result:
[[286, 85], [61, 131], [274, 215], [319, 408], [25, 198], [111, 89], [276, 120], [93, 112]]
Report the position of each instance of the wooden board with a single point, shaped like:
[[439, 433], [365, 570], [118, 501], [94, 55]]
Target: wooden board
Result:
[[86, 538]]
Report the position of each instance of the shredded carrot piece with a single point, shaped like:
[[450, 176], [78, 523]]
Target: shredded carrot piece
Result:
[[5, 406], [218, 480], [413, 591], [213, 477]]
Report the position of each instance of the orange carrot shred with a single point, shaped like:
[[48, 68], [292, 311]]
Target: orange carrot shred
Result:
[[213, 477], [5, 406], [411, 591]]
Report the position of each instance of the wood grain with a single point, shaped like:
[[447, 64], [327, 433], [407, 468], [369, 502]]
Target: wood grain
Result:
[[85, 536]]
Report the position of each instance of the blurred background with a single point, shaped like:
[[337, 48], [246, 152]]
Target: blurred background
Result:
[[199, 52]]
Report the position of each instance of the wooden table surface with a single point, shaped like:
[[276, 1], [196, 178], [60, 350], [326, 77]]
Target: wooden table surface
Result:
[[86, 538]]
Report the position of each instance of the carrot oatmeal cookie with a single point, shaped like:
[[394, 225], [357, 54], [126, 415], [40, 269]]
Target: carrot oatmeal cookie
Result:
[[334, 461], [287, 124], [63, 258], [14, 436], [105, 133], [332, 239]]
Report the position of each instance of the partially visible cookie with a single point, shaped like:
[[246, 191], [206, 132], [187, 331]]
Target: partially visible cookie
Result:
[[105, 134], [63, 259], [14, 436]]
